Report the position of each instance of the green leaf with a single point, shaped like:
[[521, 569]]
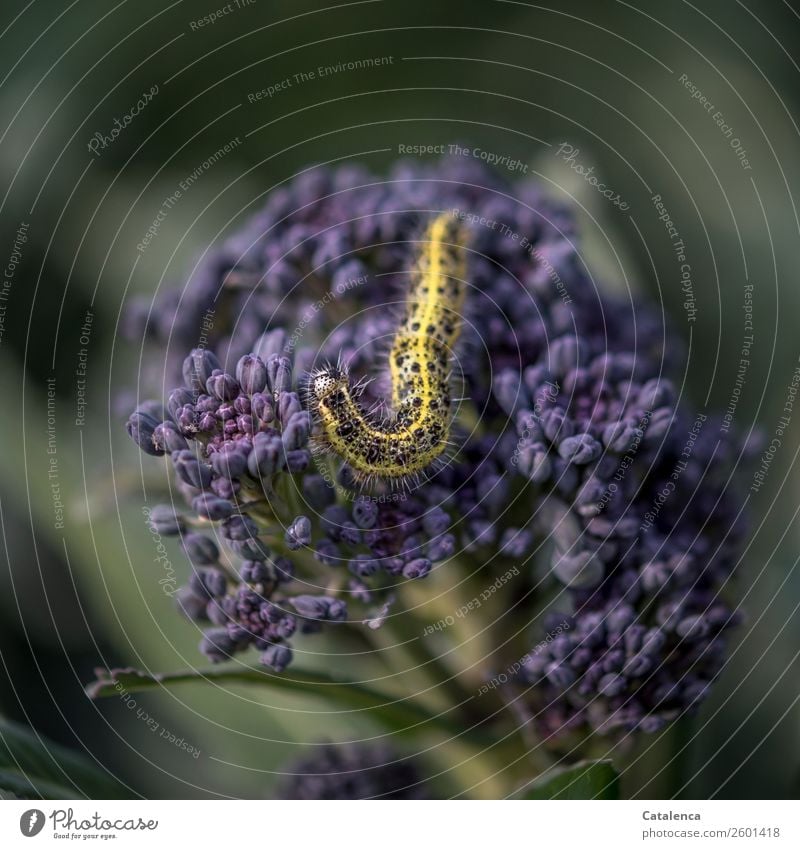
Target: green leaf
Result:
[[398, 714], [584, 780], [33, 767]]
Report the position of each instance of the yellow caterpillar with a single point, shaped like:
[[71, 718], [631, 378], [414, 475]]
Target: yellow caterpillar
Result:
[[403, 444]]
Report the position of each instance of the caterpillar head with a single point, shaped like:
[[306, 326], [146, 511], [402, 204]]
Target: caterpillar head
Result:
[[325, 382]]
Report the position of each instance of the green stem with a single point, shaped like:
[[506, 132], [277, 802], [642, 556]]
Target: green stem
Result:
[[402, 715]]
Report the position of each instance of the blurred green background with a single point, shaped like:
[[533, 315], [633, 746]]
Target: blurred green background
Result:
[[514, 78]]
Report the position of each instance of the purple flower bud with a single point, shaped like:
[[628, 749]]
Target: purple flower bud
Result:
[[207, 404], [482, 532], [288, 405], [579, 571], [210, 506], [349, 533], [262, 408], [250, 549], [298, 534], [222, 386], [435, 522], [534, 462], [611, 684], [191, 470], [333, 519], [528, 428], [624, 528], [638, 665], [178, 399], [581, 449], [279, 375], [197, 368], [592, 498], [217, 645], [655, 393], [659, 424], [692, 627], [417, 568], [251, 374], [363, 566], [166, 521], [508, 391], [560, 675], [264, 459], [365, 512], [347, 276], [516, 542], [563, 356], [317, 492], [393, 566], [441, 548], [141, 429], [277, 656], [297, 461], [208, 581], [327, 552], [556, 425], [620, 437], [239, 527], [190, 604], [200, 549], [296, 430], [651, 724], [207, 423], [284, 570], [273, 342], [254, 572], [695, 691], [618, 619], [230, 461], [320, 607], [167, 438]]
